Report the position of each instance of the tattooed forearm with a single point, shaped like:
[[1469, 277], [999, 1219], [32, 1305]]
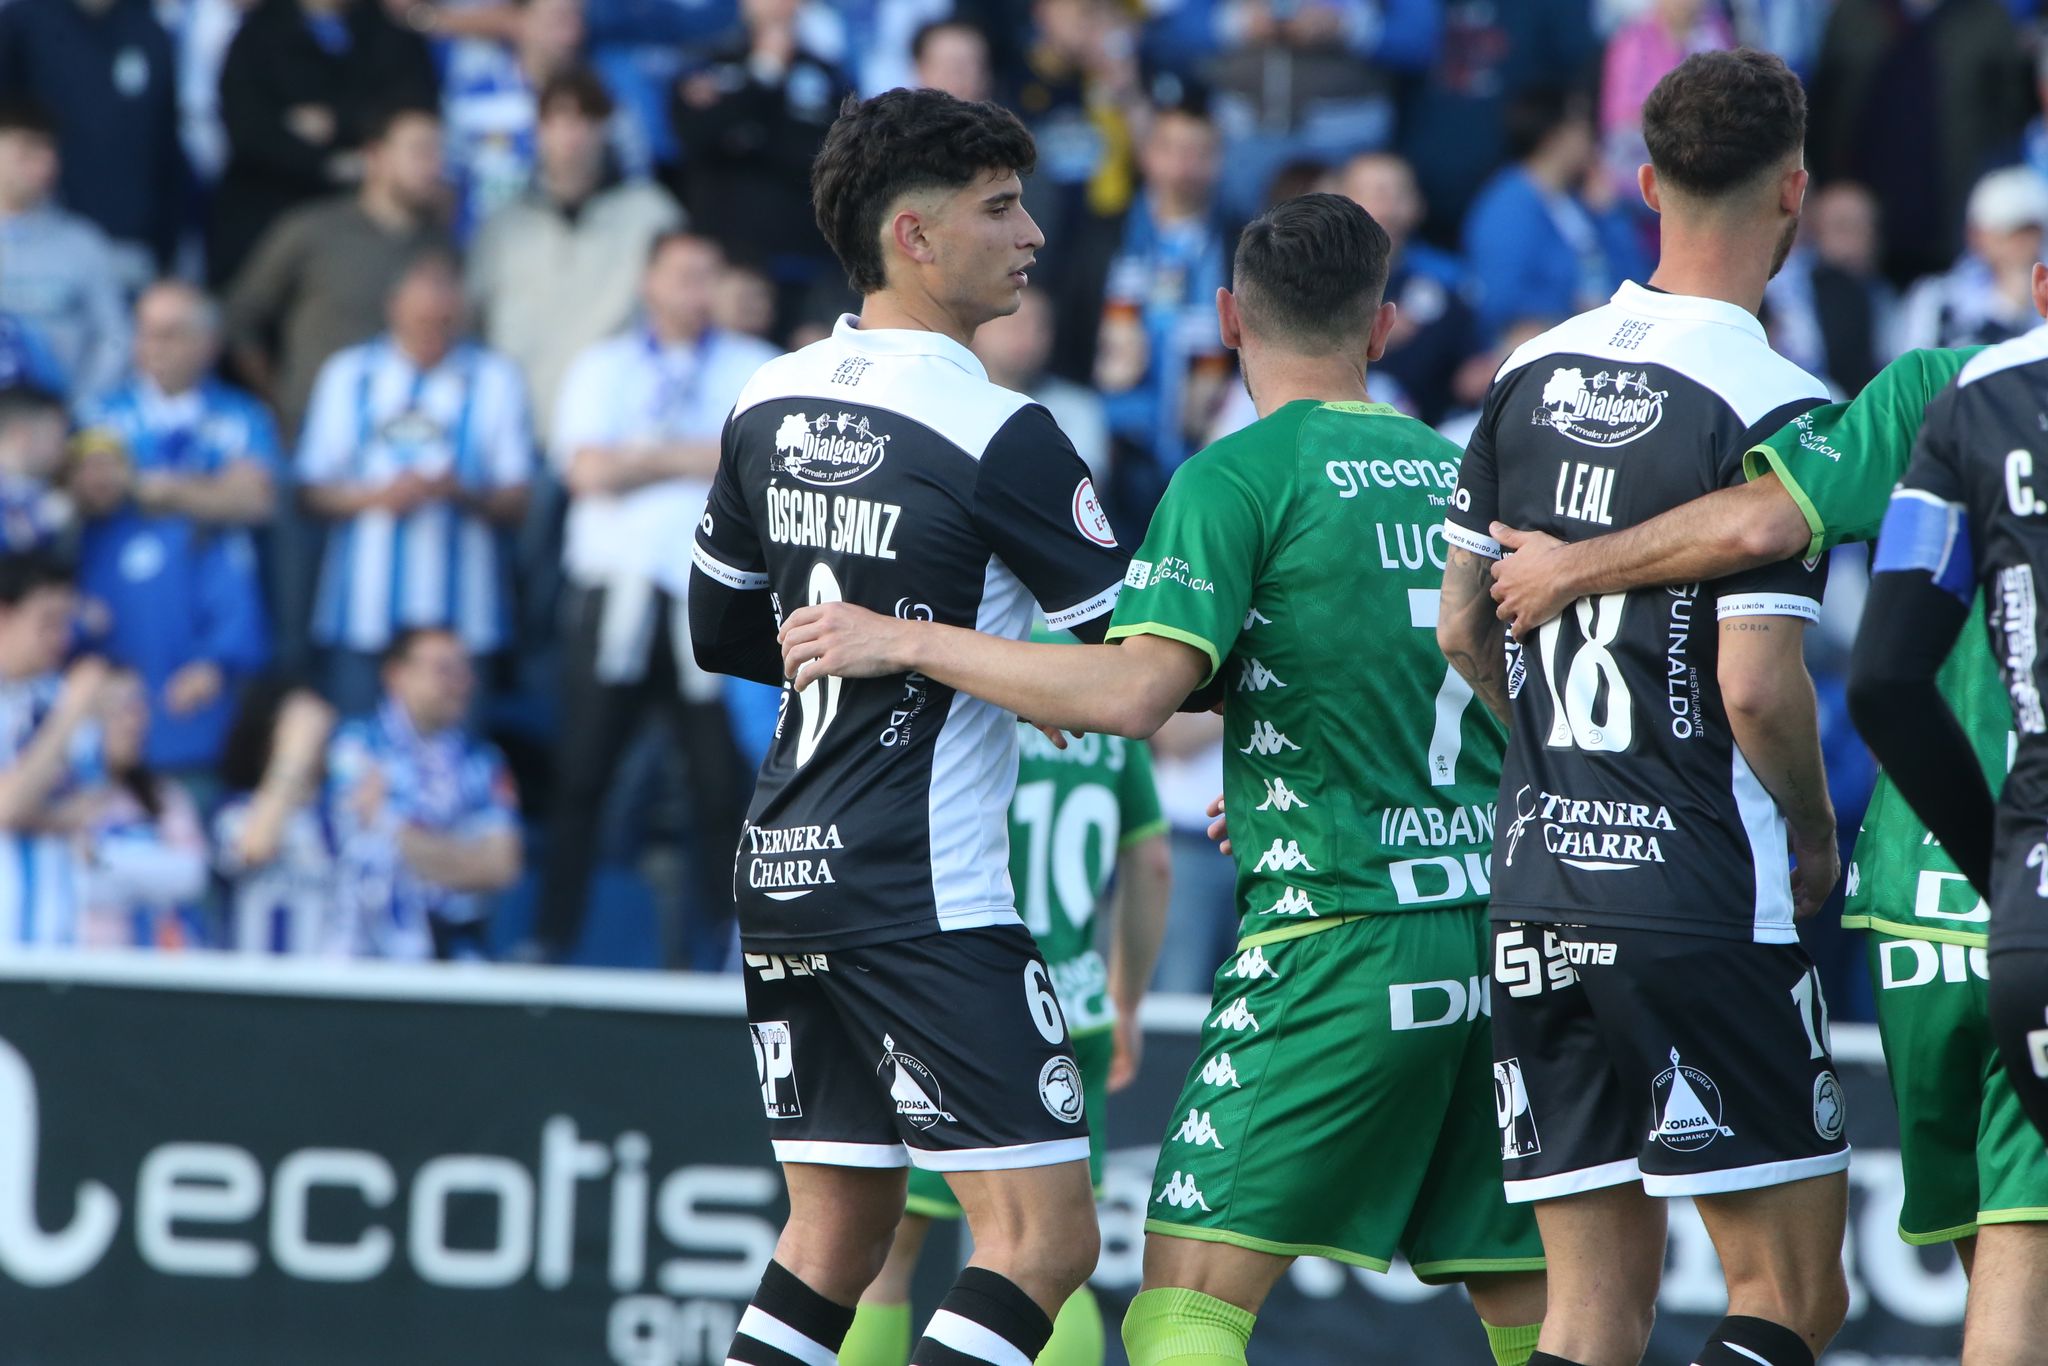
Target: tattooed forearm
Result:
[[1471, 637]]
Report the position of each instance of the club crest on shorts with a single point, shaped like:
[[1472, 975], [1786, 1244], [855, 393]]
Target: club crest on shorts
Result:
[[775, 1067], [912, 1086], [1688, 1108], [1511, 1108], [1059, 1086], [1830, 1108]]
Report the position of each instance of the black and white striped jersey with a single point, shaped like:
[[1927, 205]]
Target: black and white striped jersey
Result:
[[883, 468], [1624, 799]]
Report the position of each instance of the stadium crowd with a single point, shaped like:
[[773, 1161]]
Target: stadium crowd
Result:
[[364, 364]]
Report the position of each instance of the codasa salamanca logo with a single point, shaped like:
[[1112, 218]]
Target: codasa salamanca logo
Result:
[[828, 450], [1688, 1108], [1610, 409]]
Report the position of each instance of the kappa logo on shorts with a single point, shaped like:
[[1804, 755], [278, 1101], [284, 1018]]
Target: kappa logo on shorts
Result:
[[1688, 1108], [1198, 1130], [1251, 964], [1511, 1108], [912, 1086], [775, 1066], [1220, 1071], [1236, 1017], [1181, 1193], [1829, 1107], [1059, 1086]]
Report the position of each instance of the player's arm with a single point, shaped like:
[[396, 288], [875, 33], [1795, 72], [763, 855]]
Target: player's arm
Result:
[[1137, 929], [1771, 710], [732, 613], [1723, 533], [1471, 637], [1922, 581]]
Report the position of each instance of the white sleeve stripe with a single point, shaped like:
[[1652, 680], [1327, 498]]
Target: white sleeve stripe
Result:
[[1082, 611], [713, 567], [1467, 539], [1767, 605]]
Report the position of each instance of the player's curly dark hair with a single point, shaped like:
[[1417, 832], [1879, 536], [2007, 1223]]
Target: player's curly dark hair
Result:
[[1719, 120], [1311, 270], [904, 140]]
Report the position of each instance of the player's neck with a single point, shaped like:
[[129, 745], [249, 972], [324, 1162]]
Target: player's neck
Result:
[[1276, 381], [1714, 265], [890, 308]]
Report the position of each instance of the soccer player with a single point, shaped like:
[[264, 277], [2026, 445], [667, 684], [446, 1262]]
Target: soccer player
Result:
[[900, 1012], [1351, 1025], [1081, 814], [1646, 960], [1963, 536]]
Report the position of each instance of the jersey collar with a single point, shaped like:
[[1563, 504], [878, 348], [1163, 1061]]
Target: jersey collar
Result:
[[1686, 308], [905, 341]]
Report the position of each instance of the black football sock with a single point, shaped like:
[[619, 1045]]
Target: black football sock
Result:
[[1741, 1341], [985, 1320], [788, 1324]]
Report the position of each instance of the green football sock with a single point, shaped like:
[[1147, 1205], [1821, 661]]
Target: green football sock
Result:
[[1076, 1333], [880, 1336], [1512, 1346], [1185, 1328]]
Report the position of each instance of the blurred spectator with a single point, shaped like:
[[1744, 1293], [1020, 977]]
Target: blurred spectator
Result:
[[1913, 98], [1435, 329], [201, 32], [171, 600], [489, 103], [35, 512], [744, 302], [418, 450], [1830, 312], [49, 752], [25, 357], [1201, 917], [57, 271], [2033, 146], [636, 439], [318, 281], [105, 71], [1454, 121], [751, 123], [1161, 365], [1987, 296], [200, 448], [952, 56], [426, 818], [1639, 55], [1015, 351], [273, 841], [301, 92], [1534, 245], [557, 268], [141, 845], [1081, 98]]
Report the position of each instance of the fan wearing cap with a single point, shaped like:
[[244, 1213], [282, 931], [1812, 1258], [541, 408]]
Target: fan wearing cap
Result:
[[1987, 296]]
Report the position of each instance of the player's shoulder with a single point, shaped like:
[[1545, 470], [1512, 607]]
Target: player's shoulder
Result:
[[2027, 349]]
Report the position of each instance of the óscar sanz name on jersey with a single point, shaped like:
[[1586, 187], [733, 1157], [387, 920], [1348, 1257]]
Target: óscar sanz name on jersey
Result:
[[837, 522]]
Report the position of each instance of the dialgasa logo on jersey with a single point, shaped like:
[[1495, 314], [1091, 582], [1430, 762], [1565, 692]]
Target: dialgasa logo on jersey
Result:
[[829, 449], [1612, 408]]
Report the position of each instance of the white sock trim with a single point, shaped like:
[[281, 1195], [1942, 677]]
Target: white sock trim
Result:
[[758, 1324], [965, 1335]]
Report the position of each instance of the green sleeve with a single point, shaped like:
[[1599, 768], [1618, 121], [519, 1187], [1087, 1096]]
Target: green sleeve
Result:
[[1191, 580], [1840, 461], [1137, 797]]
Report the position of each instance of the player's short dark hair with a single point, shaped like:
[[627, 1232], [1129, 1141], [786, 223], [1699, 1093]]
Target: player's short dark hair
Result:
[[1719, 120], [1311, 271], [30, 571], [26, 116], [399, 651], [578, 86], [902, 141], [1536, 113], [922, 39], [387, 115]]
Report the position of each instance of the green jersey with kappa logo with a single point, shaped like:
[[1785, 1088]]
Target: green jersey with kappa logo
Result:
[[1074, 811], [1304, 557], [1840, 463]]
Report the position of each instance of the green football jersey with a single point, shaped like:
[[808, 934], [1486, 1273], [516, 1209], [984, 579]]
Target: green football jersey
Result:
[[1074, 810], [1304, 557], [1840, 463]]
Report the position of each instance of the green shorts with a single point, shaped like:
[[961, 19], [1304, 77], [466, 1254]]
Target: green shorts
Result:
[[1968, 1153], [933, 1198], [1343, 1104]]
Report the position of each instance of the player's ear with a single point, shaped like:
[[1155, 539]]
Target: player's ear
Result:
[[1646, 181], [2041, 289], [907, 234], [1792, 190], [1228, 323], [1382, 325]]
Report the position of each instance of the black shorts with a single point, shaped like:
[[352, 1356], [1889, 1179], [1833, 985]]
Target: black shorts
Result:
[[948, 1051], [1692, 1064]]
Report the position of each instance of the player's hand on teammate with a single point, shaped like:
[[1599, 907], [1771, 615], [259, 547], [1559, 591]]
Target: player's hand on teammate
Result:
[[1528, 587], [1219, 828], [1817, 863], [840, 640]]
